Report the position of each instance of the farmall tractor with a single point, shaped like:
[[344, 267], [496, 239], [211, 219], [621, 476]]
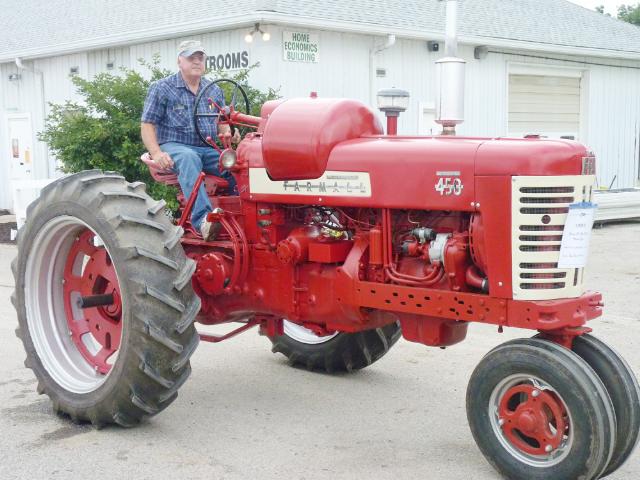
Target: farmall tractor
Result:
[[339, 241]]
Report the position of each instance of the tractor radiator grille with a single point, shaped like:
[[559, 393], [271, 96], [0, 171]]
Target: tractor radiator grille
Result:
[[539, 211]]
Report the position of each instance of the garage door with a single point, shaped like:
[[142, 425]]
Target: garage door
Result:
[[545, 105]]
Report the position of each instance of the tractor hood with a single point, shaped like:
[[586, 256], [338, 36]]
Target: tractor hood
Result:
[[411, 172]]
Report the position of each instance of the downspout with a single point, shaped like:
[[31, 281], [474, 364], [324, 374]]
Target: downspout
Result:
[[40, 73], [391, 41]]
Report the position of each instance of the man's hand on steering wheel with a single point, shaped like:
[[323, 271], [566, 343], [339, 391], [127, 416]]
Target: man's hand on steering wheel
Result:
[[225, 131]]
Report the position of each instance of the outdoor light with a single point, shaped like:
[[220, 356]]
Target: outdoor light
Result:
[[14, 77], [392, 101], [266, 36]]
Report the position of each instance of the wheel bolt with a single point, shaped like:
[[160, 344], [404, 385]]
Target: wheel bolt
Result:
[[535, 393], [548, 449]]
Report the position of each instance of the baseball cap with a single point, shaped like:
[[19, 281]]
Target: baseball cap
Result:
[[189, 47]]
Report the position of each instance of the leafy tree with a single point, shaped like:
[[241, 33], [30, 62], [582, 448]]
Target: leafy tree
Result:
[[103, 131], [600, 9], [630, 13]]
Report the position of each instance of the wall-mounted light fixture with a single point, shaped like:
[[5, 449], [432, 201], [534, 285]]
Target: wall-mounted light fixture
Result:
[[266, 36], [14, 77], [480, 52]]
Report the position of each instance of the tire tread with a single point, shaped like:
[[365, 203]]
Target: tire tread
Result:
[[156, 363]]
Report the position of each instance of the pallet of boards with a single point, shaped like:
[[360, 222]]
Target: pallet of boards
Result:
[[617, 204]]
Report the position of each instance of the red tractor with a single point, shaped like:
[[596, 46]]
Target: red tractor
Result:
[[341, 240]]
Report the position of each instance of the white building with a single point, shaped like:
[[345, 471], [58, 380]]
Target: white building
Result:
[[533, 66]]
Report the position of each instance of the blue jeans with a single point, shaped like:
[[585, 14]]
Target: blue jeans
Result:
[[189, 161]]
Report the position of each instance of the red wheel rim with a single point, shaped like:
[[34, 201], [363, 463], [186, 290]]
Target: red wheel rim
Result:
[[96, 331], [534, 421]]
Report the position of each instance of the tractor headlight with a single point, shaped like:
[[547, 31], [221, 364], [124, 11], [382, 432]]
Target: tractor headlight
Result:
[[228, 158]]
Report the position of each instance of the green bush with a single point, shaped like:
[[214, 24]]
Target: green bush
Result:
[[103, 131]]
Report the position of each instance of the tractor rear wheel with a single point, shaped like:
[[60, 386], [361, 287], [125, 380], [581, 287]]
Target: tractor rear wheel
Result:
[[538, 411], [104, 300], [337, 352]]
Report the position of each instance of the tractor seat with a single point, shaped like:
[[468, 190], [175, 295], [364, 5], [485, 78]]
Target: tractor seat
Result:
[[212, 183]]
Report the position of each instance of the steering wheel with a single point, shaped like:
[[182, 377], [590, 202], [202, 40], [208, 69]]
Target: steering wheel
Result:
[[234, 96]]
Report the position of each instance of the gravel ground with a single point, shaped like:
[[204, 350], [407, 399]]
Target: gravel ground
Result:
[[245, 414]]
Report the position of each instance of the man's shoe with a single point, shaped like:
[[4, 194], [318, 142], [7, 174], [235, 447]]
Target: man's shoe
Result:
[[209, 230]]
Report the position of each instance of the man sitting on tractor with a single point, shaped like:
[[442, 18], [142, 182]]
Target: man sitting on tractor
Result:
[[169, 134]]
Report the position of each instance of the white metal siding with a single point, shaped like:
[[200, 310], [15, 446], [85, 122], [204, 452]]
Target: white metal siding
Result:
[[97, 61], [609, 112], [614, 130]]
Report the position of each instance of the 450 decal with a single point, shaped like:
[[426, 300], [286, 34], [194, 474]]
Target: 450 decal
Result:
[[449, 183]]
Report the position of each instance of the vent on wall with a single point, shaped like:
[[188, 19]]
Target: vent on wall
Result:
[[381, 72], [110, 65], [74, 70]]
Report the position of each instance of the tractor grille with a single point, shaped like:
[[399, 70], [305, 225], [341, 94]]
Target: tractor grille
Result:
[[540, 207]]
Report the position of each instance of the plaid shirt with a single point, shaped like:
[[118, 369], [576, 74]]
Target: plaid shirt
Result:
[[170, 106]]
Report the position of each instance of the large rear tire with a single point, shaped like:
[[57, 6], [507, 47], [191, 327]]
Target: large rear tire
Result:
[[338, 352], [104, 299]]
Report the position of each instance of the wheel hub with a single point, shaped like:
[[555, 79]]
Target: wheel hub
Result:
[[95, 330], [534, 421], [527, 422]]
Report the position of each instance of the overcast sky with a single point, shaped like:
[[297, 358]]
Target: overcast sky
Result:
[[610, 6]]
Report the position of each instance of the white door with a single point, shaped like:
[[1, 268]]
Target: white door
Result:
[[427, 120], [20, 143], [544, 104]]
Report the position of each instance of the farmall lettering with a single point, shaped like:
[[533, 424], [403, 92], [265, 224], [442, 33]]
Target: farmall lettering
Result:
[[449, 183], [331, 184], [345, 184]]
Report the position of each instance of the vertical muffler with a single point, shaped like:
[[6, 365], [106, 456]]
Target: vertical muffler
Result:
[[450, 77]]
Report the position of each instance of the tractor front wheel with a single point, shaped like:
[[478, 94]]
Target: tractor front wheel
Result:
[[538, 411], [622, 386], [104, 300]]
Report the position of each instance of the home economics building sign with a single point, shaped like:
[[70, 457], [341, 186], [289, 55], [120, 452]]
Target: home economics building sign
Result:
[[300, 47]]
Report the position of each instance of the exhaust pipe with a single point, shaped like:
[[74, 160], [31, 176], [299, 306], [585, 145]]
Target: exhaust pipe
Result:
[[450, 77], [451, 29]]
